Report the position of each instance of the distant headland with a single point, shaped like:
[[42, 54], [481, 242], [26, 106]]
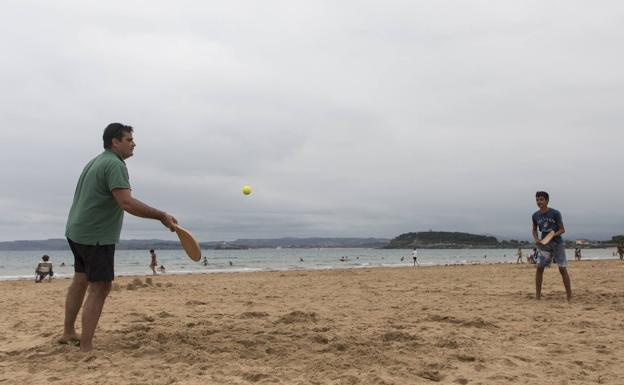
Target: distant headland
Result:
[[422, 240], [456, 240]]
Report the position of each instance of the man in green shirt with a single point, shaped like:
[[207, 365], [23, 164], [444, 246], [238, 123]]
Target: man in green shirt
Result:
[[102, 195]]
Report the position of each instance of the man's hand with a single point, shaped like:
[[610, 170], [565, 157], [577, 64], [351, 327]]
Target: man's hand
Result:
[[169, 221]]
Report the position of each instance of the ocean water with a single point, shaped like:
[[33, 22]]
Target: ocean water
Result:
[[21, 264]]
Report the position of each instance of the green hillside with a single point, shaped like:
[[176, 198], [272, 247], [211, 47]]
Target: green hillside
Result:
[[442, 239]]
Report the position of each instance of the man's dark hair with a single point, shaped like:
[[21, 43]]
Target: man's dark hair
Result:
[[151, 250], [45, 258], [542, 194], [114, 130]]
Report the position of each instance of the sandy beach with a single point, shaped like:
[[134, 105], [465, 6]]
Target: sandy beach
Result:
[[475, 324]]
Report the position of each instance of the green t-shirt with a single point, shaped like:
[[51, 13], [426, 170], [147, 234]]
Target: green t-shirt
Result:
[[95, 217]]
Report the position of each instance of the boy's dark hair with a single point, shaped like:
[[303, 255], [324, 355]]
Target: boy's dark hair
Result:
[[151, 250], [542, 194], [45, 258], [114, 130]]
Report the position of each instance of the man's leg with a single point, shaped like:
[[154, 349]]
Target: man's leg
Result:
[[98, 291], [539, 274], [73, 302], [566, 282]]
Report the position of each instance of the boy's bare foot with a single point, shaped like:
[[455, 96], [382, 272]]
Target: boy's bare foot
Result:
[[71, 339], [86, 348]]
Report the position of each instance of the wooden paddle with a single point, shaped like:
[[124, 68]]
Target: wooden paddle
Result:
[[546, 240], [189, 243]]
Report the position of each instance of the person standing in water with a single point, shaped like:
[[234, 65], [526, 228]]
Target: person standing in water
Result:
[[153, 263], [415, 257]]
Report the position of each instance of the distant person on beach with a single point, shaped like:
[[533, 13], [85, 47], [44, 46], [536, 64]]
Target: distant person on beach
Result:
[[93, 226], [415, 257], [519, 254], [44, 269], [545, 220], [620, 250], [162, 268], [205, 261], [577, 254], [153, 262], [532, 256]]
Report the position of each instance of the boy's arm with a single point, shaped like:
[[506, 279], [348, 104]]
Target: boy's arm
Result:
[[559, 225], [535, 235]]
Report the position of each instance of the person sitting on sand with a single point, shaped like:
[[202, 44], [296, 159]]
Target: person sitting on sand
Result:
[[44, 269]]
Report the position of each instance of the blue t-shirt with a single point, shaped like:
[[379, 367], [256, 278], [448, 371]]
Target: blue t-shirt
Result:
[[547, 222]]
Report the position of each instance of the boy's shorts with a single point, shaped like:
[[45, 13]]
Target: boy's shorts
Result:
[[96, 261], [552, 251]]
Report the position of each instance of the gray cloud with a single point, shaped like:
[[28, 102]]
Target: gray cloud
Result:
[[394, 118]]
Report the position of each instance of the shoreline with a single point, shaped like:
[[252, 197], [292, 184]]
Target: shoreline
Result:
[[269, 270]]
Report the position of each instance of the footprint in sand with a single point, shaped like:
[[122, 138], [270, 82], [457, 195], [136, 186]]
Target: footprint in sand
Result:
[[254, 314], [298, 316]]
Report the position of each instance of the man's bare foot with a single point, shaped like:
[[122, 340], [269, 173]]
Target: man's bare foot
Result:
[[71, 339], [86, 347]]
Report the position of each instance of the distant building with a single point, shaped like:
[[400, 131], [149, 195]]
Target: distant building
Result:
[[581, 242]]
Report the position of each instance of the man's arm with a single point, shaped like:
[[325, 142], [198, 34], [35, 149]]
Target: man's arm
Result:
[[124, 199]]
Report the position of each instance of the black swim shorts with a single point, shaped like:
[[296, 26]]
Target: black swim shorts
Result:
[[96, 261]]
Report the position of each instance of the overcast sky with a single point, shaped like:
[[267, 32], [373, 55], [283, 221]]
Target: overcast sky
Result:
[[347, 118]]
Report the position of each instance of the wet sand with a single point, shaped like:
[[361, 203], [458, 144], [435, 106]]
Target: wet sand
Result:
[[475, 324]]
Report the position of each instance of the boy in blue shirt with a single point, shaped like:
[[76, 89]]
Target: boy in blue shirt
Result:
[[546, 220]]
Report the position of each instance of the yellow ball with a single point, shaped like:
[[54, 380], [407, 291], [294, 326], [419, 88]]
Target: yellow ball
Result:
[[246, 190]]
